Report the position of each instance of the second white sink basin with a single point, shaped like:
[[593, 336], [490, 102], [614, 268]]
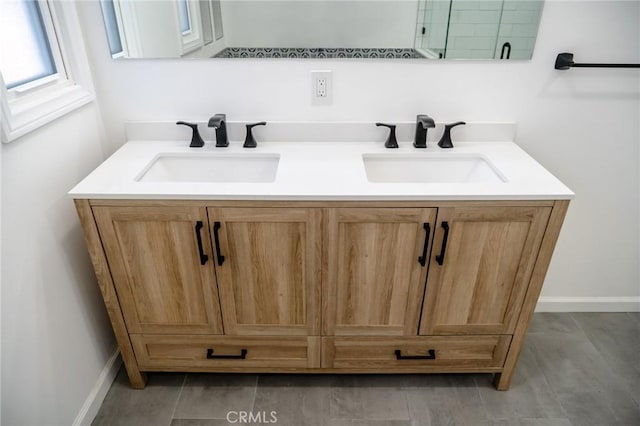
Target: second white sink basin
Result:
[[431, 168], [206, 167]]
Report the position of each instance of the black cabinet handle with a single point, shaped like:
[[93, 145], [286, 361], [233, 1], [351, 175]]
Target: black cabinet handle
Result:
[[440, 257], [243, 355], [423, 259], [216, 238], [431, 355], [203, 257]]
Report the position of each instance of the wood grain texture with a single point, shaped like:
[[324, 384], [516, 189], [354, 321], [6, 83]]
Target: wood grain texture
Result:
[[374, 283], [180, 352], [488, 262], [552, 231], [379, 352], [103, 274], [155, 263], [270, 279]]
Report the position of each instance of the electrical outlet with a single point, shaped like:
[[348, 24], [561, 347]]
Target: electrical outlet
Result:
[[321, 87]]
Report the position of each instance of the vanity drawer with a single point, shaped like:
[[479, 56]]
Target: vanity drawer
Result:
[[444, 353], [221, 353]]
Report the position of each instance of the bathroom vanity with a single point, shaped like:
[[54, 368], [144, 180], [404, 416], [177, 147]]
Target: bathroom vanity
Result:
[[321, 257]]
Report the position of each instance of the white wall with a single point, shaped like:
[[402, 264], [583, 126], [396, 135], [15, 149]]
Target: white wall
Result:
[[581, 124], [343, 23], [56, 337]]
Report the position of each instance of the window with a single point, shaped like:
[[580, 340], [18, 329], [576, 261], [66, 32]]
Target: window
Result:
[[190, 23], [185, 19], [112, 25], [43, 66], [31, 58]]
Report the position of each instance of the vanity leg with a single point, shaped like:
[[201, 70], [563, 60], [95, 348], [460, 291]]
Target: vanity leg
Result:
[[137, 378], [502, 380], [94, 246]]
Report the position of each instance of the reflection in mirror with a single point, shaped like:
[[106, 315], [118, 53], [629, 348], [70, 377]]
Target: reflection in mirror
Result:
[[432, 29]]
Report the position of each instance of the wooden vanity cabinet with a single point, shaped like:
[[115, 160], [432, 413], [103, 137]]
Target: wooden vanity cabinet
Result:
[[320, 286]]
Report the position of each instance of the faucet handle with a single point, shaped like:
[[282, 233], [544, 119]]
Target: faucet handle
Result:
[[391, 142], [249, 141], [445, 140], [196, 140]]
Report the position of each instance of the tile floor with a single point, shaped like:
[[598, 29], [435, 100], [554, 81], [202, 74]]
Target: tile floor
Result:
[[577, 369]]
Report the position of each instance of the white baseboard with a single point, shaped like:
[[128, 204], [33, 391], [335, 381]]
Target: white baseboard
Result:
[[96, 396], [588, 304]]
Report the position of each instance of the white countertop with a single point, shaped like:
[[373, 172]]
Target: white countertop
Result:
[[321, 171]]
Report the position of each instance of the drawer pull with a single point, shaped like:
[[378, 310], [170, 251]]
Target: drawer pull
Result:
[[216, 237], [443, 249], [203, 257], [431, 352], [423, 259], [210, 355]]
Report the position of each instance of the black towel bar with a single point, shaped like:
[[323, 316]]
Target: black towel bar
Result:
[[564, 61]]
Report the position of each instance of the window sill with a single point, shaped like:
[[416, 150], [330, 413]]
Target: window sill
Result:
[[25, 115]]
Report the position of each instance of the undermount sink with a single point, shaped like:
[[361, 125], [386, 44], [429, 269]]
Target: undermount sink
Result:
[[204, 167], [432, 168]]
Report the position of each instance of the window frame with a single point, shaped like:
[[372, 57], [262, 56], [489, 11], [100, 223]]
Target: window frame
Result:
[[192, 39], [124, 52], [32, 105]]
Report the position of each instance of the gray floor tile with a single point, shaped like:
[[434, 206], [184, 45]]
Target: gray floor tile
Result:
[[545, 422], [202, 422], [553, 322], [212, 396], [587, 409], [384, 403], [337, 422], [345, 401], [578, 373], [296, 400], [529, 396], [456, 402], [152, 406], [367, 397], [617, 338]]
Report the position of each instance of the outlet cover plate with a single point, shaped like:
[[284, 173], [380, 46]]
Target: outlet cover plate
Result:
[[316, 77]]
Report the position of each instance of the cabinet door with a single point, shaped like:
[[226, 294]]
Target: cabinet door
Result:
[[268, 268], [154, 257], [478, 277], [374, 274]]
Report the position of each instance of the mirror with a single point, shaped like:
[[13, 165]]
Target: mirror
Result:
[[430, 29]]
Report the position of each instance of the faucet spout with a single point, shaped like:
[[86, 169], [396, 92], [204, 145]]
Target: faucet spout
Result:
[[218, 122], [423, 123]]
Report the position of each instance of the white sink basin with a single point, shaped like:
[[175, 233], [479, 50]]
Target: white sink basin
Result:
[[431, 168], [208, 167]]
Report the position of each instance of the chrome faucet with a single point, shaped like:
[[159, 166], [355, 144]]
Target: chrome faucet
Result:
[[423, 122], [218, 121]]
